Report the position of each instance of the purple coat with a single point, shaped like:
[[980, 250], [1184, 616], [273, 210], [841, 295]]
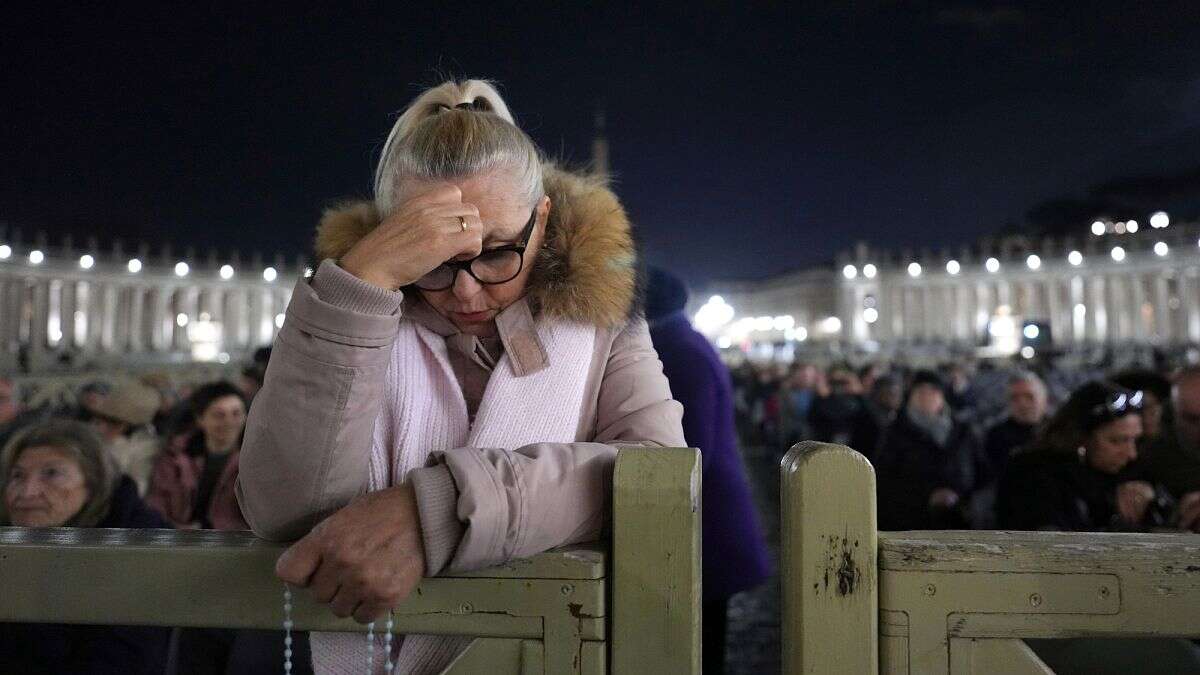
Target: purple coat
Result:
[[735, 553]]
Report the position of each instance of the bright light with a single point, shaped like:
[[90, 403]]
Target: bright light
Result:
[[763, 323], [953, 267], [181, 269], [1080, 309], [992, 265], [783, 322], [724, 342], [87, 262], [269, 274], [1161, 249], [1075, 258], [869, 271], [36, 257], [914, 269], [5, 251], [181, 319], [1160, 220], [1098, 228], [223, 357], [1118, 254], [1033, 262], [831, 324], [1131, 226], [712, 315], [1031, 331], [279, 321], [1027, 352], [849, 271], [226, 271], [134, 265], [1120, 227], [870, 315], [800, 334]]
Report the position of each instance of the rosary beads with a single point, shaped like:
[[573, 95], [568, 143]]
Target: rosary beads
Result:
[[388, 664]]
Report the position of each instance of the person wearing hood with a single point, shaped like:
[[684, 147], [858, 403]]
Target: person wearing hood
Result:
[[58, 474], [123, 418], [735, 552], [926, 462], [469, 357]]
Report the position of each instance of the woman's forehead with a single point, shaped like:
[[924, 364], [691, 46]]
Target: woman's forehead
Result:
[[42, 454]]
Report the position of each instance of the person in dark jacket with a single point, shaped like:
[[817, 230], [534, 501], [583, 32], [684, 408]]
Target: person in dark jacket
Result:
[[879, 410], [925, 464], [835, 412], [1071, 479], [734, 551], [57, 474]]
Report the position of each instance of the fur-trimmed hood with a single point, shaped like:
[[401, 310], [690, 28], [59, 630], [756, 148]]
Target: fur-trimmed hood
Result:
[[585, 270]]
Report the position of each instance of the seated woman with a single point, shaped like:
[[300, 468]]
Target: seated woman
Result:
[[1070, 477], [57, 474], [468, 355]]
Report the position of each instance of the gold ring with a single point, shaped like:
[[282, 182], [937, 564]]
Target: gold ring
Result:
[[463, 222]]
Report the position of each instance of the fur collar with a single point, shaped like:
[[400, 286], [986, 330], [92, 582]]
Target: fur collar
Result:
[[586, 269]]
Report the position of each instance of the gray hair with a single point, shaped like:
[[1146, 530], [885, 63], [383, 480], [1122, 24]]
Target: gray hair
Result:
[[1021, 376], [455, 130], [83, 445]]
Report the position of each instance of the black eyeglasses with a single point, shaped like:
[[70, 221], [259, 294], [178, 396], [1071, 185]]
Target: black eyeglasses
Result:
[[1119, 404], [493, 266]]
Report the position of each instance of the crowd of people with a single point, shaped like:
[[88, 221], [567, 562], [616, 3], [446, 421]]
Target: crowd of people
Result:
[[139, 453], [982, 447]]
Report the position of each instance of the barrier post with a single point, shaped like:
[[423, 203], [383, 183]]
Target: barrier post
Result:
[[829, 542]]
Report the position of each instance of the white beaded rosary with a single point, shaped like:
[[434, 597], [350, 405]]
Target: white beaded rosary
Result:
[[388, 665]]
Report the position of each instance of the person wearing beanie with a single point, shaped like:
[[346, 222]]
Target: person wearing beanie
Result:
[[734, 551], [122, 418], [926, 462]]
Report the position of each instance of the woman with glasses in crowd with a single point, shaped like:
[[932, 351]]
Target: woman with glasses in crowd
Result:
[[1071, 476], [449, 389]]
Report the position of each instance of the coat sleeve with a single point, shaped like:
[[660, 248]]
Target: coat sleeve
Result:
[[513, 503], [308, 436]]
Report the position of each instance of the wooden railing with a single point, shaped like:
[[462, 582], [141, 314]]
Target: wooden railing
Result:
[[861, 601], [631, 608]]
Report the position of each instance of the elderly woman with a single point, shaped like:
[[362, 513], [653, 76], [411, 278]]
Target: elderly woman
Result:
[[57, 474], [453, 383]]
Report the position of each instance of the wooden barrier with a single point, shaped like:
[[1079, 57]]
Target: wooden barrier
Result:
[[573, 610], [958, 602]]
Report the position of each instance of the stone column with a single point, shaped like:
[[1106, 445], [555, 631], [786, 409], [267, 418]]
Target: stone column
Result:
[[1138, 300], [1162, 310], [40, 317], [1099, 309]]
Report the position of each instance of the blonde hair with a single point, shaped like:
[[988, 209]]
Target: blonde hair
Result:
[[455, 130]]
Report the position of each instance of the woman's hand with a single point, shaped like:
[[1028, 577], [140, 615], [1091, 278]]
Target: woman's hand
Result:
[[362, 560], [1133, 497], [1189, 511], [423, 233]]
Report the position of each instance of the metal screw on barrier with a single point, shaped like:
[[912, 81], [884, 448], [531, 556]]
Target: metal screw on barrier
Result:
[[466, 608], [1104, 591], [1035, 599], [930, 589], [568, 589]]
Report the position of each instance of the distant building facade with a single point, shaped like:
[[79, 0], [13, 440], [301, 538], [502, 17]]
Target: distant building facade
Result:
[[998, 296], [71, 306]]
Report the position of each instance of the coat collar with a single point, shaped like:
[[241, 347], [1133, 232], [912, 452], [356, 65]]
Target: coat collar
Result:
[[516, 326]]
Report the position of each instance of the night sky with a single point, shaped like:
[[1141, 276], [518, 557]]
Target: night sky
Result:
[[744, 142]]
